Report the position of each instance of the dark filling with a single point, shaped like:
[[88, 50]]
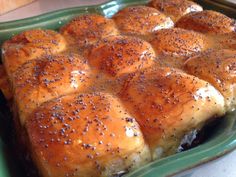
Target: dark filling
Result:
[[196, 137]]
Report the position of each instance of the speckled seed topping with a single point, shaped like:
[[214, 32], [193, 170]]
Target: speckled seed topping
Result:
[[30, 45], [141, 20], [89, 28], [207, 21], [219, 68], [53, 69], [121, 54], [178, 42], [38, 81], [175, 8], [83, 134], [167, 103]]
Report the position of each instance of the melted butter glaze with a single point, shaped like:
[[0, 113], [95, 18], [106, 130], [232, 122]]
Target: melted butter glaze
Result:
[[207, 21], [85, 135], [30, 45], [141, 20], [175, 8], [218, 67]]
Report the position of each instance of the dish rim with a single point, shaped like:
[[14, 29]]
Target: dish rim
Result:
[[223, 143]]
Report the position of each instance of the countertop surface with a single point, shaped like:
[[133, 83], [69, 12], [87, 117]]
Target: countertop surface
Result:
[[222, 167]]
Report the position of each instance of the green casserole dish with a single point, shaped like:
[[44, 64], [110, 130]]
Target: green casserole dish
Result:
[[220, 140]]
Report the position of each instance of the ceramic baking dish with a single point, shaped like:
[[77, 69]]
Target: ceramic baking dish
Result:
[[220, 140]]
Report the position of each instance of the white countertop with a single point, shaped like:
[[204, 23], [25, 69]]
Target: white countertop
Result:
[[223, 167]]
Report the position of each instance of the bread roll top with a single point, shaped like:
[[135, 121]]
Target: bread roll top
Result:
[[117, 55], [38, 81], [85, 135], [218, 67], [87, 29], [141, 20], [175, 8], [207, 21], [30, 45], [168, 104]]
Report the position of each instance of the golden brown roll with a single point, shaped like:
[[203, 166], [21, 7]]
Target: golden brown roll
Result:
[[207, 21], [121, 54], [30, 45], [4, 85], [179, 42], [141, 20], [85, 135], [168, 104], [225, 41], [87, 29], [38, 81], [218, 67], [175, 8]]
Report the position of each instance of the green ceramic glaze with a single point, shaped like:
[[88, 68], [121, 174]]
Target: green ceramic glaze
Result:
[[222, 140], [4, 170]]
